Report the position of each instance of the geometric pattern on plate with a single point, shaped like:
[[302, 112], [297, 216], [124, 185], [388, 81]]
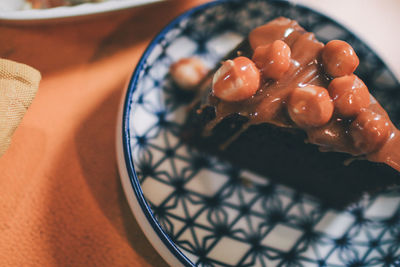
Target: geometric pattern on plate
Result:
[[220, 215]]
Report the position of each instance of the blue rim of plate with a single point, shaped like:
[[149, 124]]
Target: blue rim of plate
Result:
[[168, 242]]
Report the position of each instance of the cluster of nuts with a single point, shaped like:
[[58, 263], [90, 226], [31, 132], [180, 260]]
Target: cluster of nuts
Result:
[[239, 79], [313, 106], [351, 97], [309, 105]]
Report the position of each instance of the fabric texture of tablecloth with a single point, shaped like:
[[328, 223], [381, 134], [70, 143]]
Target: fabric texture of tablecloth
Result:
[[18, 87], [61, 201]]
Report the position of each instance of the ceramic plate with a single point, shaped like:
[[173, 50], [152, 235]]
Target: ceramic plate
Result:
[[51, 14], [198, 210]]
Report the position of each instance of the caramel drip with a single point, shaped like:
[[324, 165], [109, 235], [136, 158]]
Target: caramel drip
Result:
[[389, 153], [234, 136]]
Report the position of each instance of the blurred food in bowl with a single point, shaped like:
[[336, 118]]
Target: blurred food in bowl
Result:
[[10, 5]]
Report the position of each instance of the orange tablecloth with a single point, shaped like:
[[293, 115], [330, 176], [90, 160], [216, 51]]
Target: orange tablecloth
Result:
[[61, 202]]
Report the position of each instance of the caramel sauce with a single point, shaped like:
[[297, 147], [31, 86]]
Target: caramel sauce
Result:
[[268, 105], [389, 153]]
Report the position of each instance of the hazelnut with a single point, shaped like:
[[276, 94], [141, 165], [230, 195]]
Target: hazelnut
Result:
[[339, 58], [188, 72], [273, 59], [349, 94], [236, 80], [310, 106], [369, 131]]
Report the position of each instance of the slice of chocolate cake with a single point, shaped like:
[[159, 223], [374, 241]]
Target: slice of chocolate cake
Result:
[[290, 108]]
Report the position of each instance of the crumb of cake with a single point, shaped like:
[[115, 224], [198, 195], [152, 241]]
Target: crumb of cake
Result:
[[188, 72]]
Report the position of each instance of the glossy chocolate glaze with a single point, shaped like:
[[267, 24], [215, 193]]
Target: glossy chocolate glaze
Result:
[[268, 105]]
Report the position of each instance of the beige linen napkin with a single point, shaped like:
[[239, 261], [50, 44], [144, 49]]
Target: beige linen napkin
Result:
[[18, 86]]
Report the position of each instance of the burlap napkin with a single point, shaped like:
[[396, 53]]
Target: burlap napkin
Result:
[[18, 87]]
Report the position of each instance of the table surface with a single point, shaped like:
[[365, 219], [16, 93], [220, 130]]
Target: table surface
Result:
[[61, 202]]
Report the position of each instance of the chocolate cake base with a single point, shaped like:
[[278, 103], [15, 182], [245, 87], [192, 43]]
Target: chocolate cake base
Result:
[[282, 155]]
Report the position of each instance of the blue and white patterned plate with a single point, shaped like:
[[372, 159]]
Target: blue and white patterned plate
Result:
[[197, 210]]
